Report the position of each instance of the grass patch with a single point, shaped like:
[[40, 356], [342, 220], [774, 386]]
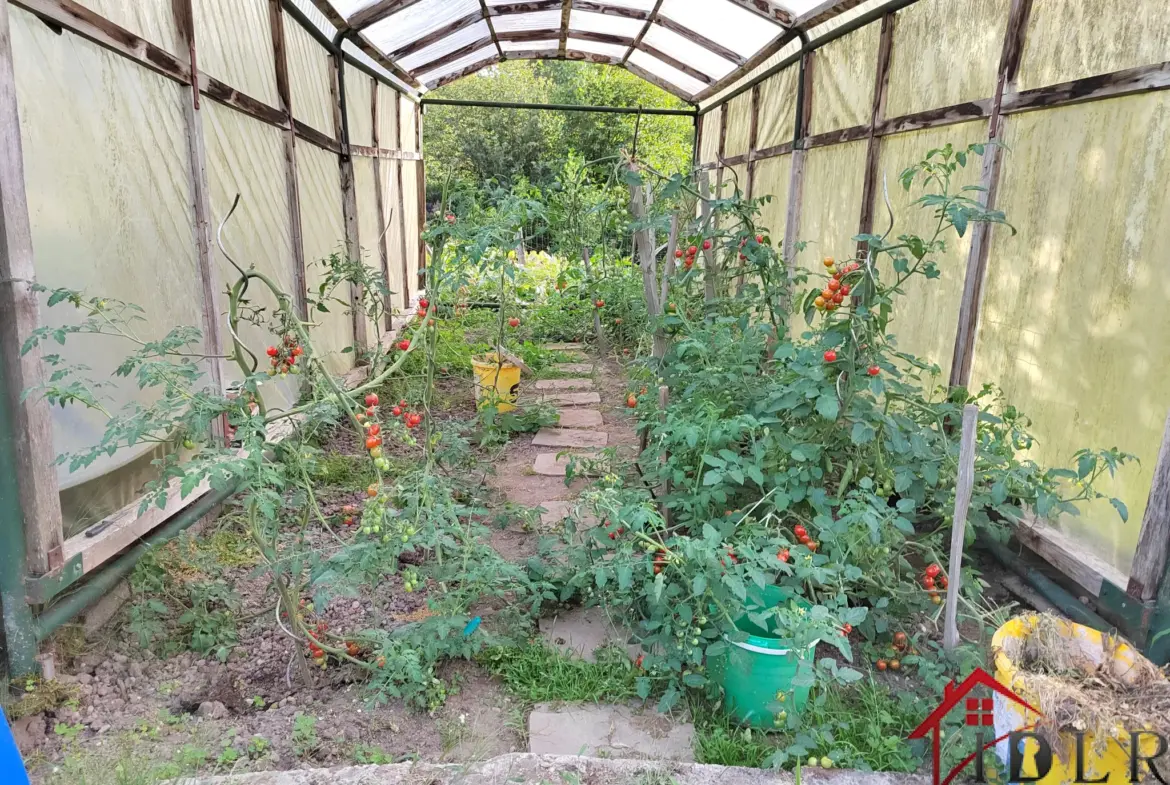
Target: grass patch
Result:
[[538, 674], [350, 471]]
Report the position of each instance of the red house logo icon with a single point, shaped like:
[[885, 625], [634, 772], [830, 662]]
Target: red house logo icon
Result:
[[979, 714]]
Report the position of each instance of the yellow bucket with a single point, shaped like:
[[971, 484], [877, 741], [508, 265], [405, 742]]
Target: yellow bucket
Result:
[[1093, 651], [496, 383]]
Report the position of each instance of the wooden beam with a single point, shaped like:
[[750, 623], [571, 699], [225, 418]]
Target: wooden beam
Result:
[[963, 356], [487, 17], [772, 152], [525, 8], [1087, 569], [184, 18], [378, 56], [401, 206], [650, 19], [753, 139], [436, 35], [656, 81], [377, 12], [241, 102], [768, 10], [701, 40], [749, 65], [873, 146], [353, 247], [563, 39], [1153, 548], [462, 72], [610, 10], [330, 13], [824, 12], [570, 54], [454, 55], [934, 118], [1131, 81], [379, 199], [30, 418], [315, 137], [422, 192], [365, 151], [687, 69], [292, 186], [796, 175]]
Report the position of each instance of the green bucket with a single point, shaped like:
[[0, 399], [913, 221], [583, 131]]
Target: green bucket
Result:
[[756, 675]]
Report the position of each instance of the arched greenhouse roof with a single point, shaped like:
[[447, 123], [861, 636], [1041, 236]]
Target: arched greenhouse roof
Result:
[[693, 49]]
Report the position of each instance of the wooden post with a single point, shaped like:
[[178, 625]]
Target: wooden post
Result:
[[401, 202], [668, 264], [422, 194], [380, 201], [1153, 548], [753, 140], [964, 482], [796, 176], [873, 145], [664, 489], [710, 266], [284, 93], [353, 248], [647, 260], [1009, 65], [30, 420], [592, 293]]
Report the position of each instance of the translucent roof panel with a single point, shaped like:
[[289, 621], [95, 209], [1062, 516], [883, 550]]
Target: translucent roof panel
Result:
[[351, 49], [417, 20], [530, 46], [685, 84], [724, 22], [673, 44], [457, 40], [539, 20], [603, 23], [348, 8], [318, 19], [639, 5], [478, 55], [594, 47]]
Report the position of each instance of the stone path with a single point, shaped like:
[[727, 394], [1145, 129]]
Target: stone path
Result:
[[591, 417]]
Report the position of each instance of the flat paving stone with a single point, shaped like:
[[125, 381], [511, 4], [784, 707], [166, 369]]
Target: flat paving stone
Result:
[[573, 367], [582, 631], [579, 418], [551, 464], [559, 510], [564, 384], [569, 398], [569, 437], [567, 346], [609, 732]]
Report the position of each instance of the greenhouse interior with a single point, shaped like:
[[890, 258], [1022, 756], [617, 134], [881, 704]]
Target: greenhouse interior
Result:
[[621, 391]]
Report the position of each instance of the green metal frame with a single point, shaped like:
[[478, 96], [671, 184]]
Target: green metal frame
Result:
[[20, 644]]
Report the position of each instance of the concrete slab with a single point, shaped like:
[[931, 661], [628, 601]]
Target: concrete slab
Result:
[[527, 769], [573, 367], [569, 437], [579, 418], [566, 346], [608, 731], [550, 465], [582, 631], [570, 398], [565, 384]]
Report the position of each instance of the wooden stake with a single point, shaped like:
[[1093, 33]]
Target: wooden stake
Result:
[[668, 265], [353, 248], [964, 481], [664, 489], [380, 201], [401, 203], [596, 314], [647, 261], [710, 268], [1153, 548]]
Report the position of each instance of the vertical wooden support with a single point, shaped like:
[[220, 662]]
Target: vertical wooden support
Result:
[[353, 247], [647, 261], [30, 427], [710, 266], [796, 175], [401, 206], [593, 294], [721, 150], [664, 488], [1153, 548], [422, 197], [964, 482], [284, 94], [753, 141], [1009, 66], [873, 145], [380, 201]]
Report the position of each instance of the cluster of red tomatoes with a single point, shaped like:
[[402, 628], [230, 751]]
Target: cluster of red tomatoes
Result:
[[743, 242], [423, 305], [933, 579], [284, 357], [315, 651], [688, 256], [836, 290], [599, 304], [632, 399], [831, 357], [901, 647], [804, 539], [613, 533], [659, 561]]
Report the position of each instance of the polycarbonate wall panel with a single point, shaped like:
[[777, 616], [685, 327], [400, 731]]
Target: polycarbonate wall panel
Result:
[[831, 207], [106, 218], [787, 52], [771, 178], [314, 15], [358, 91], [709, 143], [234, 41], [842, 77], [391, 218], [778, 108], [409, 119], [926, 332], [1074, 306], [739, 125], [323, 233], [154, 20], [369, 224], [1072, 39], [934, 65], [387, 118], [410, 176], [416, 21], [246, 157], [310, 73]]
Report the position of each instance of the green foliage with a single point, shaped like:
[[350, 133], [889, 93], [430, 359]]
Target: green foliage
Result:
[[536, 674], [304, 741]]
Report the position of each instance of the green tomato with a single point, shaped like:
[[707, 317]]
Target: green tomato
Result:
[[812, 760], [189, 444], [826, 762]]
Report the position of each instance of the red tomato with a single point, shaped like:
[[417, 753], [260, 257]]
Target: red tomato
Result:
[[838, 298], [928, 582], [799, 531], [375, 429], [404, 344], [882, 665], [760, 239], [833, 285], [845, 288], [513, 322], [782, 555], [372, 399], [706, 245], [933, 570], [424, 303], [831, 356], [372, 442], [692, 250], [678, 254], [397, 410], [370, 412], [273, 351], [873, 370]]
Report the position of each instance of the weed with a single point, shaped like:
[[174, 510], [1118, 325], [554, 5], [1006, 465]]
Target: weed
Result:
[[257, 747], [364, 754], [191, 758], [169, 687], [38, 695], [340, 470], [538, 674], [67, 731], [304, 735]]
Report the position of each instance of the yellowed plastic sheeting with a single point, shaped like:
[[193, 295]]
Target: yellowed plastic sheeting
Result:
[[739, 125], [934, 64], [842, 80], [392, 213], [387, 117], [1074, 307], [925, 320], [1072, 39], [771, 179], [323, 230], [107, 218], [369, 224], [831, 208], [358, 90], [709, 143], [310, 73], [778, 108], [410, 176], [409, 121], [154, 20], [234, 41], [246, 157]]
